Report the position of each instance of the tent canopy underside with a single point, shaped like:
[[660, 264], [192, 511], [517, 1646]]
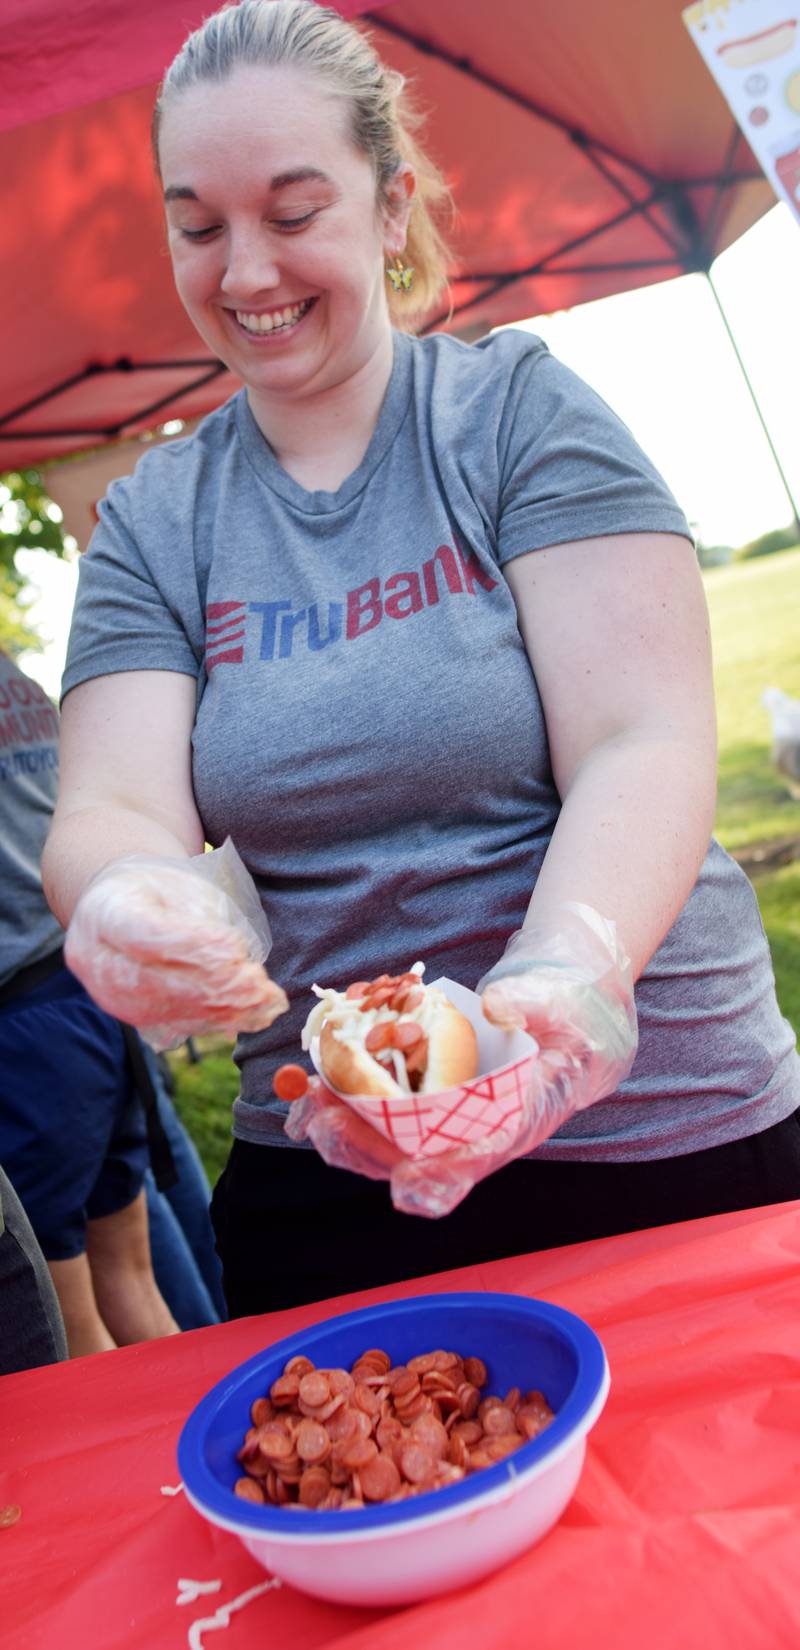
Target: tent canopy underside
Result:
[[587, 157]]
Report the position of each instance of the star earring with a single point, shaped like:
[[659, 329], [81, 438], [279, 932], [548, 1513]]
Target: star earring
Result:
[[401, 276]]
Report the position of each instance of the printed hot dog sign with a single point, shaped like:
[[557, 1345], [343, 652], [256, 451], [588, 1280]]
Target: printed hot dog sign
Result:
[[752, 48]]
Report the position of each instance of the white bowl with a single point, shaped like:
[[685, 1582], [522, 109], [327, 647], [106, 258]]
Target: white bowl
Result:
[[399, 1552]]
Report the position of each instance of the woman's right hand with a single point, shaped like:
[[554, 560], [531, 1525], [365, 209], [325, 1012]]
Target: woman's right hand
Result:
[[159, 946]]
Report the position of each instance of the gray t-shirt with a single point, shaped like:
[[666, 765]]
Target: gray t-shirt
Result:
[[369, 730], [28, 785]]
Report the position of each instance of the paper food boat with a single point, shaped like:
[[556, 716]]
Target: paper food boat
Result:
[[425, 1125]]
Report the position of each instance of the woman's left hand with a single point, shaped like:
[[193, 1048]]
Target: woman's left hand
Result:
[[569, 986], [341, 1137]]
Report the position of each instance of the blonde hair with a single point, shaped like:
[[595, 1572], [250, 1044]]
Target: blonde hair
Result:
[[383, 120]]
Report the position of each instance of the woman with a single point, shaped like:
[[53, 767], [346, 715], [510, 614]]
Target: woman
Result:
[[419, 626]]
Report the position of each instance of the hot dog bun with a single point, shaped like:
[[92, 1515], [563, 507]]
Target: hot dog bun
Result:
[[425, 1044]]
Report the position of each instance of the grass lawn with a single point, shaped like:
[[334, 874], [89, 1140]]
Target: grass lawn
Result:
[[755, 631], [779, 899], [204, 1095], [754, 623]]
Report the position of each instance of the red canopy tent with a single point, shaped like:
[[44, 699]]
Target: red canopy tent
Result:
[[588, 148]]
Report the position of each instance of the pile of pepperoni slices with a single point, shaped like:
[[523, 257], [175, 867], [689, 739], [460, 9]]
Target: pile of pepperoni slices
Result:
[[402, 993], [333, 1438]]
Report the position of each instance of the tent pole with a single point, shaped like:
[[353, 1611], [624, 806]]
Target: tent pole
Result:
[[754, 399]]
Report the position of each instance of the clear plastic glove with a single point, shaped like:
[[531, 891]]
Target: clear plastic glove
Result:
[[570, 987], [175, 947]]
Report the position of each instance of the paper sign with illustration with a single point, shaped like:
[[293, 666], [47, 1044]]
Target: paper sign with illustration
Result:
[[752, 48]]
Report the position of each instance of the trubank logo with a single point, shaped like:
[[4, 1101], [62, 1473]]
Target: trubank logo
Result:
[[278, 627]]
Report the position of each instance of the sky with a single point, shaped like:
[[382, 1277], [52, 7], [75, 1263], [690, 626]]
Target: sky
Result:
[[661, 357]]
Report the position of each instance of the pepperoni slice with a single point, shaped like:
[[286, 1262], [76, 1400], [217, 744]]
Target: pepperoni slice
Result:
[[380, 1036], [356, 1455], [438, 1380], [417, 1059], [537, 1400], [284, 1390], [359, 988], [449, 1363], [468, 1399], [499, 1420], [343, 1424], [379, 1479], [313, 1389], [423, 1364], [290, 1082], [375, 1355], [417, 1463], [498, 1448], [458, 1453], [275, 1444], [314, 1485], [408, 1000], [340, 1381], [418, 1404], [407, 1034], [430, 1432], [364, 1422], [382, 996], [250, 1446], [531, 1419], [475, 1371], [470, 1431], [312, 1442], [389, 1432], [299, 1366], [364, 1398], [402, 1381], [246, 1488]]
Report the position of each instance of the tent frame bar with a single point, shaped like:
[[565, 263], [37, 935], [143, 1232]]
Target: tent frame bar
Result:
[[465, 66], [110, 432]]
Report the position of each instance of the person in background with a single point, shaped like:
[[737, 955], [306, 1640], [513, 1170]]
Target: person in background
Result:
[[31, 1326], [73, 1130], [185, 1261], [419, 626]]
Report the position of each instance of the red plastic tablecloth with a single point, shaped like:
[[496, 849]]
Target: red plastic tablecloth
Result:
[[684, 1533]]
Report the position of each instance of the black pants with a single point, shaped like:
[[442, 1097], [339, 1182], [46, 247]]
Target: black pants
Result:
[[290, 1230]]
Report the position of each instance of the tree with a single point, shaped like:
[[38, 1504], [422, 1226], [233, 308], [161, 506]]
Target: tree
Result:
[[29, 520]]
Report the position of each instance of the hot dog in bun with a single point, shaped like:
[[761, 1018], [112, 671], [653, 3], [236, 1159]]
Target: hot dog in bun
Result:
[[759, 48], [391, 1037]]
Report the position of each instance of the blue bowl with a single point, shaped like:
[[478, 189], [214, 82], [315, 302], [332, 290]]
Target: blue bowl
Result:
[[523, 1342]]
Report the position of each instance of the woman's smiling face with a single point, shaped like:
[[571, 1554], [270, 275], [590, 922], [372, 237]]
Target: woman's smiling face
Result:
[[276, 238]]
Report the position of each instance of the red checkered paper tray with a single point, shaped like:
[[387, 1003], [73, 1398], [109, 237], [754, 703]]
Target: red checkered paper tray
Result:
[[425, 1125]]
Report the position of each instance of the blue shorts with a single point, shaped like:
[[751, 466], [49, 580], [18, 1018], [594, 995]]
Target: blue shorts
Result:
[[72, 1128]]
